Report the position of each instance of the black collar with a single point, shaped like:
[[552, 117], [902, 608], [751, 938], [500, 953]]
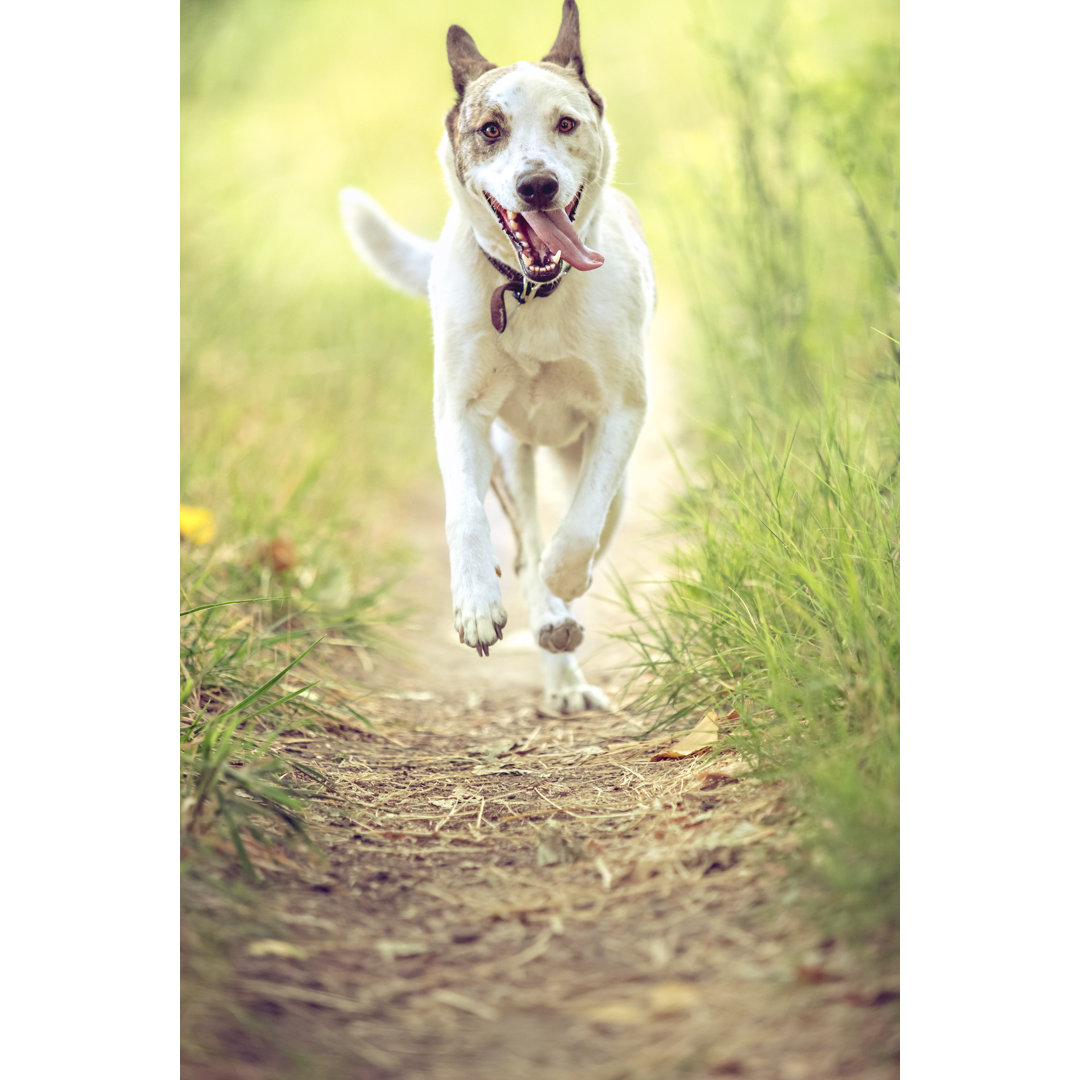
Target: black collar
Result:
[[521, 289]]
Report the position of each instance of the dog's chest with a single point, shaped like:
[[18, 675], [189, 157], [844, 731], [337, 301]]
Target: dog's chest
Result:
[[551, 403], [538, 332]]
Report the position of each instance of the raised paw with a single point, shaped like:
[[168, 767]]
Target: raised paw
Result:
[[564, 635], [480, 627]]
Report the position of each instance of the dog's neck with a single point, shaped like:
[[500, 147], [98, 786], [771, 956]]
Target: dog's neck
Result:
[[519, 287]]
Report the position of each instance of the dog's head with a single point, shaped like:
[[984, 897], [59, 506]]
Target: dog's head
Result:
[[528, 142]]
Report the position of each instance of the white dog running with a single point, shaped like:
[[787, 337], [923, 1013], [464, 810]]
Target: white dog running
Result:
[[528, 157]]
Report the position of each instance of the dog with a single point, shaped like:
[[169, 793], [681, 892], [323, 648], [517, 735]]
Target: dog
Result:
[[528, 156]]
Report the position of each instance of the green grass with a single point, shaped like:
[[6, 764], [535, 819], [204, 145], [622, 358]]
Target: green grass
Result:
[[783, 601], [250, 674]]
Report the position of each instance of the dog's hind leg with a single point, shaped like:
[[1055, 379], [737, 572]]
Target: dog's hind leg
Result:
[[514, 482], [566, 689], [556, 631]]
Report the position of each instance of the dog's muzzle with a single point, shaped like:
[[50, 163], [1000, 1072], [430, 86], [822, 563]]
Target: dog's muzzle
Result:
[[543, 239]]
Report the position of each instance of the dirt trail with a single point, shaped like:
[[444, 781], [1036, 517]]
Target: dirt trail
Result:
[[508, 896]]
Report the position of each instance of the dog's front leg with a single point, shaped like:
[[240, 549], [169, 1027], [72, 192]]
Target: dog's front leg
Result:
[[462, 437], [566, 566]]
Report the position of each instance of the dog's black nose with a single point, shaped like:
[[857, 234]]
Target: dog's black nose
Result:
[[538, 189]]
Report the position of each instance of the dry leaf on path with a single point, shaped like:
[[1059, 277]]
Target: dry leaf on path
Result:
[[674, 755], [698, 741]]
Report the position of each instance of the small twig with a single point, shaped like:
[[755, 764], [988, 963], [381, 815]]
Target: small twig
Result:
[[525, 745], [395, 834], [555, 804], [605, 873], [460, 1001], [283, 992], [537, 948]]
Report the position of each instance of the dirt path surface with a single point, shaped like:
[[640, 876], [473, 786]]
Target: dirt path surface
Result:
[[510, 895]]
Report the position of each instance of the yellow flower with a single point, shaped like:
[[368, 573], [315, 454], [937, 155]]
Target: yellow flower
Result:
[[196, 524]]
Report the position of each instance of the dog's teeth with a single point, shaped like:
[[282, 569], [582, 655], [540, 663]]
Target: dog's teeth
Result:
[[519, 235], [556, 257]]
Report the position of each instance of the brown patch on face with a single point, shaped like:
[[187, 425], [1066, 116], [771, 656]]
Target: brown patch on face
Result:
[[467, 64], [470, 113]]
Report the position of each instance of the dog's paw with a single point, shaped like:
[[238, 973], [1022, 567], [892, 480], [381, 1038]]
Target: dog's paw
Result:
[[479, 625], [564, 635], [577, 699]]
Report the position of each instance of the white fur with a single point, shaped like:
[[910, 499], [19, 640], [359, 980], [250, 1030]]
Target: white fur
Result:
[[568, 372]]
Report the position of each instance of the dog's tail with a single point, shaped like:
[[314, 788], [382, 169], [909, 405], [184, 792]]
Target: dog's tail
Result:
[[397, 256]]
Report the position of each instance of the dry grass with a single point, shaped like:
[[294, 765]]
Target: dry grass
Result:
[[502, 896]]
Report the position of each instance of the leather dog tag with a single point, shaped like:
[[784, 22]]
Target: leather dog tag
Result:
[[498, 308]]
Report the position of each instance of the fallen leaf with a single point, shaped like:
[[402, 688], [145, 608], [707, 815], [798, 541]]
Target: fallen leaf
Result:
[[698, 741], [812, 973], [269, 947], [197, 524], [674, 755], [714, 779], [279, 554]]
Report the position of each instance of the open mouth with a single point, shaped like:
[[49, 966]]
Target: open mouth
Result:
[[544, 239]]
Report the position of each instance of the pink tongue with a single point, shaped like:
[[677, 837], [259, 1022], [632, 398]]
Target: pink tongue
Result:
[[554, 228]]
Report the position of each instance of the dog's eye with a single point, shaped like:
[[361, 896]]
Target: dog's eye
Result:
[[567, 124], [491, 130]]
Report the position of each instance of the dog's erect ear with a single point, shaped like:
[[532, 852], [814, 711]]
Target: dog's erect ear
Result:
[[567, 48], [466, 62], [566, 52]]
